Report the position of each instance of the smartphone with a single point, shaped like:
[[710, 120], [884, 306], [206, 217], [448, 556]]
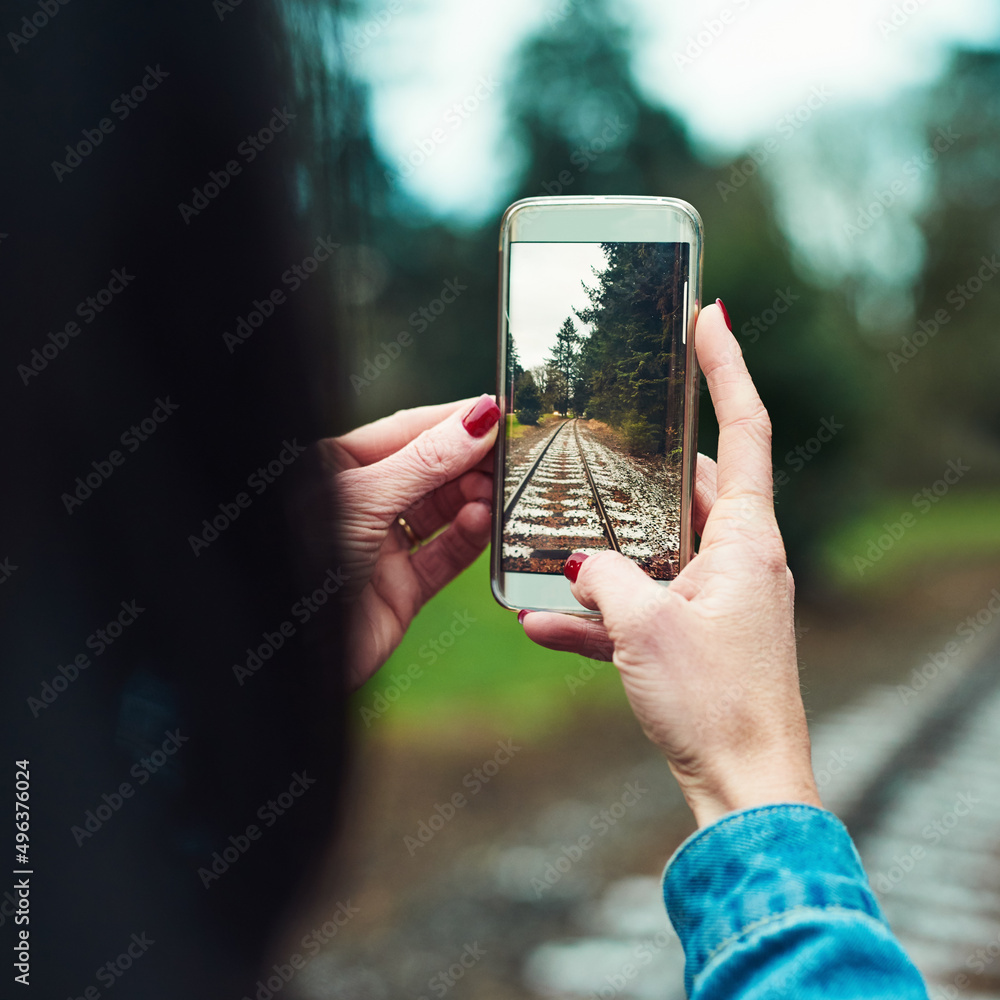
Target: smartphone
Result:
[[598, 387]]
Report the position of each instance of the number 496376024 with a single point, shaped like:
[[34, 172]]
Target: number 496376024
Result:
[[22, 814]]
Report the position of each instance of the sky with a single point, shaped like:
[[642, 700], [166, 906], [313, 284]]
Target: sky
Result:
[[734, 71], [546, 285]]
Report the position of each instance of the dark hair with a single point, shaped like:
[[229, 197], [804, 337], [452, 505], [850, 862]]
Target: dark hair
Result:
[[163, 181]]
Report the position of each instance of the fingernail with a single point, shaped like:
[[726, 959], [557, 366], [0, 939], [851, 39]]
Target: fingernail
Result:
[[521, 615], [485, 501], [725, 312], [481, 417], [573, 564]]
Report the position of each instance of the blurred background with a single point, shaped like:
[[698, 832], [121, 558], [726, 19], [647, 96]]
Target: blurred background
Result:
[[845, 159]]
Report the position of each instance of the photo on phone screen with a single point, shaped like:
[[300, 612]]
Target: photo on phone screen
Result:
[[595, 383]]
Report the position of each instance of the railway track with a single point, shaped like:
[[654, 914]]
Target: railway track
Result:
[[606, 525], [557, 507], [577, 490]]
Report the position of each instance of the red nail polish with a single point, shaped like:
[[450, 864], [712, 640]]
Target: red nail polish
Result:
[[481, 417], [573, 564], [725, 312], [521, 615]]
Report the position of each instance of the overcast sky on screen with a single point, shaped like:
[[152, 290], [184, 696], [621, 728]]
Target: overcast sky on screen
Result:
[[729, 70], [546, 285]]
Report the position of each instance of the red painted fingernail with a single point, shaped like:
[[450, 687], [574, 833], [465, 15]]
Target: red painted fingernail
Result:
[[725, 312], [521, 615], [481, 417], [573, 564]]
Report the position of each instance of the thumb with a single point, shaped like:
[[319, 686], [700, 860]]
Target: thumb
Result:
[[436, 455], [614, 585]]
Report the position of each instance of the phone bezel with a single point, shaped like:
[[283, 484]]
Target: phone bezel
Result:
[[608, 218]]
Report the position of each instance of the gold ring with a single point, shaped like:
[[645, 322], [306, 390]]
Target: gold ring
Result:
[[408, 531]]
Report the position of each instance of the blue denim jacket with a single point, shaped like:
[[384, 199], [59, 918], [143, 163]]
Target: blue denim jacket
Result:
[[773, 902]]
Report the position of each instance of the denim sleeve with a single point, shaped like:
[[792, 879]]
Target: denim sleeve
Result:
[[773, 902]]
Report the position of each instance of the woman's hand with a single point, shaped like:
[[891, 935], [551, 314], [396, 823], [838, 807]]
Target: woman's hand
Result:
[[432, 466], [709, 663]]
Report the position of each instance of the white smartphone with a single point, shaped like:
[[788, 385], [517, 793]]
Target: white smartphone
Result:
[[598, 389]]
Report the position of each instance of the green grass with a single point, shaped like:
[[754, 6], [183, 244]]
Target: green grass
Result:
[[490, 671], [514, 427], [957, 526]]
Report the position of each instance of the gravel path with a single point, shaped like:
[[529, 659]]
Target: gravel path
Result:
[[555, 513]]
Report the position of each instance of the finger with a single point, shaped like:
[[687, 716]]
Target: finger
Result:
[[434, 511], [441, 453], [705, 491], [382, 438], [744, 462], [441, 560], [486, 463], [568, 634], [615, 586]]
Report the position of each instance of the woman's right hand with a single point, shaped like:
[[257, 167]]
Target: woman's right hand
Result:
[[709, 664]]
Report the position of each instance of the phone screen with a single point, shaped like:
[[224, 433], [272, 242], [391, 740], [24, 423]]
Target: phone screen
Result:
[[595, 387]]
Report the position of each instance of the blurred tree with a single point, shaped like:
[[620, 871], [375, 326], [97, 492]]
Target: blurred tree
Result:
[[940, 375]]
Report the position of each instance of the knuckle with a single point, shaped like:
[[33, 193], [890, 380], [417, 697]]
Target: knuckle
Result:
[[431, 455], [772, 560], [756, 423]]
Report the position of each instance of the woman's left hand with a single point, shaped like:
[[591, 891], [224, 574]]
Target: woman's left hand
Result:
[[432, 466]]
